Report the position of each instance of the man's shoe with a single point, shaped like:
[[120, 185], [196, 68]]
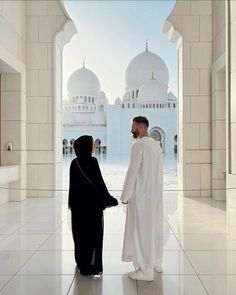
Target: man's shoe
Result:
[[141, 276], [158, 269], [129, 273]]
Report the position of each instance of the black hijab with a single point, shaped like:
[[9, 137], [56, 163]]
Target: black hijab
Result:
[[83, 146]]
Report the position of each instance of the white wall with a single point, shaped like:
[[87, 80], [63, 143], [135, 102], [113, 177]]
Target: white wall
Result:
[[231, 119], [47, 33], [33, 34], [13, 92], [189, 26], [119, 126]]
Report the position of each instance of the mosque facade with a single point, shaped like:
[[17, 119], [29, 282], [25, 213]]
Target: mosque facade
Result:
[[87, 111]]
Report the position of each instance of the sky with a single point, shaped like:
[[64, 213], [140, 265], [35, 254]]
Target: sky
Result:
[[111, 34]]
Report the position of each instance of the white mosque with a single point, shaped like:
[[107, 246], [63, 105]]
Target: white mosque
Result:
[[87, 110]]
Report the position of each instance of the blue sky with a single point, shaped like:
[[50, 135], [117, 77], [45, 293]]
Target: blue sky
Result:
[[111, 33]]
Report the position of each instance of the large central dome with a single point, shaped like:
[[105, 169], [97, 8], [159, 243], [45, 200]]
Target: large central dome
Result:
[[142, 66], [83, 81]]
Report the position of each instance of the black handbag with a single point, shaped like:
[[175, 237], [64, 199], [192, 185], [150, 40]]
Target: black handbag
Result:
[[102, 202]]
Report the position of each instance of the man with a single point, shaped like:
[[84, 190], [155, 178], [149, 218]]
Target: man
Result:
[[142, 192]]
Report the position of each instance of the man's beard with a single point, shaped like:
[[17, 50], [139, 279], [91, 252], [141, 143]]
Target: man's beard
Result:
[[135, 134]]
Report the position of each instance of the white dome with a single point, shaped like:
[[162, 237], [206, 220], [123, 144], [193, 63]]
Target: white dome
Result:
[[152, 90], [141, 68], [83, 81], [99, 118]]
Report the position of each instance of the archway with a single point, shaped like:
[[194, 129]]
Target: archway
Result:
[[175, 144], [159, 135], [98, 146], [71, 147], [65, 146]]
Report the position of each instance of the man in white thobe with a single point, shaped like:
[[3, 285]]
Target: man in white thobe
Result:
[[142, 192]]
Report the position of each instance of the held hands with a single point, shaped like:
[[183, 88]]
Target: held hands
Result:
[[111, 202]]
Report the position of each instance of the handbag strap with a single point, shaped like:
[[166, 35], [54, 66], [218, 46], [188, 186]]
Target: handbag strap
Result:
[[89, 180]]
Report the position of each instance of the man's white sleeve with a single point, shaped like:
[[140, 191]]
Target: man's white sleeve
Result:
[[131, 176]]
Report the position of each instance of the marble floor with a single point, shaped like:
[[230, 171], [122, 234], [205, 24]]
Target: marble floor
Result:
[[36, 248]]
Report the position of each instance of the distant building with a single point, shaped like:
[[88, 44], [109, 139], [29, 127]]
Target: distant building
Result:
[[147, 93]]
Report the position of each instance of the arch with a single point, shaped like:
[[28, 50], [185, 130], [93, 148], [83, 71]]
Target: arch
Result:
[[98, 142], [101, 108], [98, 145], [71, 147], [175, 144], [158, 134], [65, 146]]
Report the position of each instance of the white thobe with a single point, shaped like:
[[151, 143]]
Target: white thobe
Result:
[[143, 186]]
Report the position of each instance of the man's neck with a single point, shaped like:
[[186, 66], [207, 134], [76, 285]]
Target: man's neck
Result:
[[143, 135]]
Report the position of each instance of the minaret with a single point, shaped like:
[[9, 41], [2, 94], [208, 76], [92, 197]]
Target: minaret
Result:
[[146, 45], [83, 63]]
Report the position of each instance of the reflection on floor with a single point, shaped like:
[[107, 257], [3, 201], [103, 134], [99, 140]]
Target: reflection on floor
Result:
[[36, 250]]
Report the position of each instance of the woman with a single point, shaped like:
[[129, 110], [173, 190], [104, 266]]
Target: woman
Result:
[[88, 197]]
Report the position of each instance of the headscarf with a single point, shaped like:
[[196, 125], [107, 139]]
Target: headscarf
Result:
[[83, 146]]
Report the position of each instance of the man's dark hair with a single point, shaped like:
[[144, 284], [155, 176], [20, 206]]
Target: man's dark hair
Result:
[[141, 120]]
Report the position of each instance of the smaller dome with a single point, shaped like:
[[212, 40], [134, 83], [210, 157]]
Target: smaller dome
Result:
[[126, 96], [99, 118], [83, 81], [152, 91], [118, 101], [102, 95], [68, 118]]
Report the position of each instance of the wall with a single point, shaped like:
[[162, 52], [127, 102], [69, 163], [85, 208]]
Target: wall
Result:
[[45, 21], [189, 27], [231, 116], [119, 126], [33, 34], [13, 92]]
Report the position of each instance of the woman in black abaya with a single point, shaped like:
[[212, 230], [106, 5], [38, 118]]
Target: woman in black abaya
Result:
[[88, 197]]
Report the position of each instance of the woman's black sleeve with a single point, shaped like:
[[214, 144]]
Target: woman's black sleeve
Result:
[[98, 179]]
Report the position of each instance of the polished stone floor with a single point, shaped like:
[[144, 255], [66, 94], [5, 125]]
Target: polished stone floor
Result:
[[36, 249]]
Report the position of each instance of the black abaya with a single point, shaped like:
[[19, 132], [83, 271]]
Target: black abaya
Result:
[[87, 214]]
